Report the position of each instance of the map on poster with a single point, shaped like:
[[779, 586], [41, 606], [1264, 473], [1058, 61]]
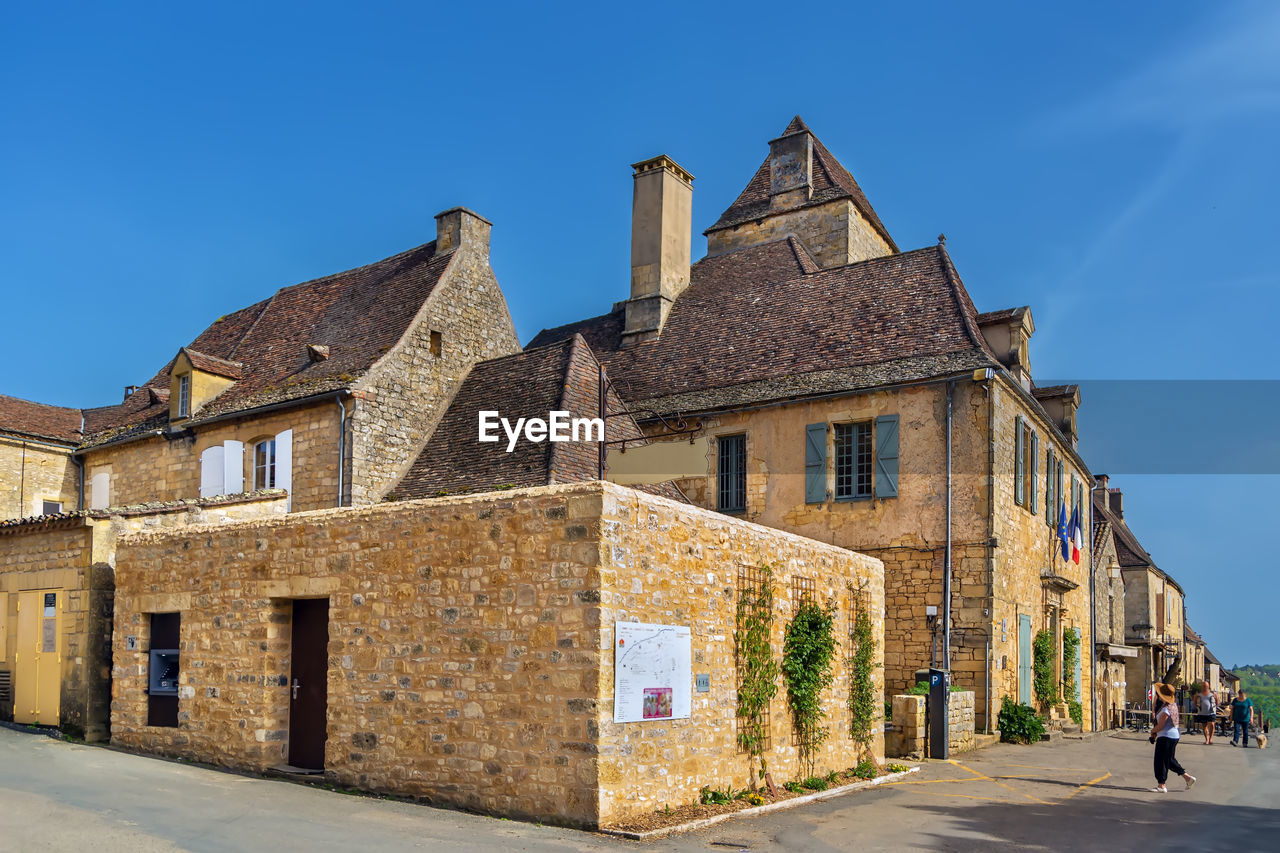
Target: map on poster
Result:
[[652, 672]]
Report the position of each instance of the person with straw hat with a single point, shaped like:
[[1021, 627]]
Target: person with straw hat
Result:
[[1165, 736]]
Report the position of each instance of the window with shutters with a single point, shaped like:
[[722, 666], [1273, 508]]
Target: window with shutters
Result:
[[1050, 490], [1019, 462], [853, 461], [731, 473], [1025, 462], [264, 464]]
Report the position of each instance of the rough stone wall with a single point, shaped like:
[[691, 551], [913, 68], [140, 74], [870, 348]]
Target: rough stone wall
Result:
[[409, 389], [835, 234], [159, 469], [465, 643], [669, 563], [960, 721], [909, 727], [32, 473]]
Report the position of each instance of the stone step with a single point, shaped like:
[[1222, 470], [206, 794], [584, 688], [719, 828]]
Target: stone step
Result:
[[1051, 736]]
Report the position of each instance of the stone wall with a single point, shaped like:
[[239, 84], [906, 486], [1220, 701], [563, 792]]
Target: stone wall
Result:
[[159, 469], [469, 646], [910, 725], [408, 390], [670, 563], [835, 234], [33, 473]]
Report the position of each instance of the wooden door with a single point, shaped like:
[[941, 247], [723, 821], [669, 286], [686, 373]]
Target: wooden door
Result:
[[37, 674], [1024, 659], [308, 683]]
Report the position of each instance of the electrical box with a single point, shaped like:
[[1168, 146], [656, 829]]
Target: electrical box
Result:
[[163, 680]]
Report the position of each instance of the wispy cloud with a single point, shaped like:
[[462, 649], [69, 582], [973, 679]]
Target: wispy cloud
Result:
[[1229, 67]]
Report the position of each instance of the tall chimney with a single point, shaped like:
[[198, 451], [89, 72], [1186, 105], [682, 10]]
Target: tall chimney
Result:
[[661, 244], [1115, 500], [1100, 483], [459, 226], [791, 170]]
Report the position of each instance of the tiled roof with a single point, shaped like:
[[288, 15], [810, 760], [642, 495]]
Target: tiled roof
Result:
[[65, 519], [39, 421], [763, 323], [1129, 551], [1191, 636], [213, 364], [563, 376], [1044, 393], [831, 181], [359, 315], [1003, 314]]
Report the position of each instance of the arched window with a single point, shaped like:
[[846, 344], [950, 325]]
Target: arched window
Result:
[[264, 464]]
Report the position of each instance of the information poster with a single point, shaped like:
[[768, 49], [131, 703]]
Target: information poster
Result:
[[652, 672]]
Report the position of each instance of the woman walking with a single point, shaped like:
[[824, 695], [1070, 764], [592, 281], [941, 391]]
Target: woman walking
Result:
[[1165, 736], [1206, 712]]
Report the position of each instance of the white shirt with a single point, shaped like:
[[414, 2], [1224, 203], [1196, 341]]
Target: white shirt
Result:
[[1172, 731]]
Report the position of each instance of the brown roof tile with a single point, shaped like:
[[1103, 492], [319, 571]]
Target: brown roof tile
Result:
[[56, 423], [563, 376], [213, 364], [831, 181]]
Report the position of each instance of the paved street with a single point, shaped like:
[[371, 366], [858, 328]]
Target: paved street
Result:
[[1074, 795]]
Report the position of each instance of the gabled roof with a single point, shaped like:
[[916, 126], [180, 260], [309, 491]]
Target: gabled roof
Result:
[[1191, 636], [562, 376], [1129, 551], [764, 323], [55, 423], [359, 315], [831, 182]]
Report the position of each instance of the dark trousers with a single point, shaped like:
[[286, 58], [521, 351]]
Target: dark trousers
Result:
[[1238, 728], [1165, 760]]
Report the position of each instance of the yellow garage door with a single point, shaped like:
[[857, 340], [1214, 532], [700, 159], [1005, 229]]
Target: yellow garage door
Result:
[[37, 677]]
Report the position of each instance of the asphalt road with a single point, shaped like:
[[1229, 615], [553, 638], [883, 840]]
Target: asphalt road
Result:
[[1091, 795]]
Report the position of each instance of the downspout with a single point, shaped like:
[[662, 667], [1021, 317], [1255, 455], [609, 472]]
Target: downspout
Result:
[[991, 532], [22, 484], [75, 457], [342, 444], [946, 578], [1093, 627]]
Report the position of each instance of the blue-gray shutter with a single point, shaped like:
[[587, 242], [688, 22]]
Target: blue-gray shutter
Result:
[[1050, 496], [815, 463], [1033, 503], [887, 456], [1019, 474]]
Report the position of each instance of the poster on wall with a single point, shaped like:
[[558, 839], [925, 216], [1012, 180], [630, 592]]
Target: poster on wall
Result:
[[652, 672]]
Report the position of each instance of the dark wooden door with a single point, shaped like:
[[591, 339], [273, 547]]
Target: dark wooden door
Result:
[[308, 688]]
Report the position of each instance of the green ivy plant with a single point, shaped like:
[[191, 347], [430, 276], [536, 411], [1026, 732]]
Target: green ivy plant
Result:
[[757, 669], [1019, 723], [1070, 656], [863, 700], [808, 651], [1042, 666]]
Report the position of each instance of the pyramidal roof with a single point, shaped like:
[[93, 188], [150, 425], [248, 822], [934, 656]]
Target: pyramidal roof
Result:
[[831, 182]]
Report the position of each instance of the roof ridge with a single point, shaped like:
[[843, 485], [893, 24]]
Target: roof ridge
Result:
[[577, 345], [953, 282], [38, 403]]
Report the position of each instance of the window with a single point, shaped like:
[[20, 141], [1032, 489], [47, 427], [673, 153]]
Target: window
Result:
[[1026, 451], [731, 474], [1050, 490], [853, 461], [264, 464], [51, 507], [437, 343], [184, 395], [100, 490]]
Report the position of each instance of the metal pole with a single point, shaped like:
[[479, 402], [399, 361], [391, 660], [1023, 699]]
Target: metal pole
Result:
[[946, 578], [604, 419]]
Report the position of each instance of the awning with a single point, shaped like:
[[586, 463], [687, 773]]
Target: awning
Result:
[[1121, 651]]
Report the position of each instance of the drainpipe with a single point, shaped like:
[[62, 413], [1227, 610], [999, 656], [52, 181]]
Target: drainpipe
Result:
[[946, 578], [991, 533], [342, 443], [1093, 633], [22, 485]]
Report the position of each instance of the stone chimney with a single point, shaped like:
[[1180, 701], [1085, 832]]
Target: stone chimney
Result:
[[458, 226], [1100, 482], [661, 245], [790, 170], [1115, 501]]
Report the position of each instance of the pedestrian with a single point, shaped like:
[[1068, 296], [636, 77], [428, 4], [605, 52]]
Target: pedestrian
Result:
[[1241, 717], [1206, 712], [1165, 736]]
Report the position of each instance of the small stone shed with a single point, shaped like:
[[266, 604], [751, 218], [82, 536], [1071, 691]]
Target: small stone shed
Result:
[[470, 645]]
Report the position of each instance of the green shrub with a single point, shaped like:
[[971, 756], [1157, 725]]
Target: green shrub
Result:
[[897, 768], [793, 787], [808, 651], [1077, 712], [714, 796], [815, 783], [1019, 723], [1046, 688], [865, 770]]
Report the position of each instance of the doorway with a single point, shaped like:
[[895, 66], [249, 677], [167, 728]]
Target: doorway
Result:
[[1024, 659], [308, 683], [37, 678]]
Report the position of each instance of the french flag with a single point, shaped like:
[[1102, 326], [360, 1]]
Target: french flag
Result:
[[1076, 535]]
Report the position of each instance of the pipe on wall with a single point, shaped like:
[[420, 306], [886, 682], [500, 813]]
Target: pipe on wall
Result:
[[946, 578], [342, 444]]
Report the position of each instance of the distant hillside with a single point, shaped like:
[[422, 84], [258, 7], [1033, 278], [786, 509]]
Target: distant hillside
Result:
[[1262, 682]]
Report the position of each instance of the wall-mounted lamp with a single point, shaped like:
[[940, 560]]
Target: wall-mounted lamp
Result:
[[1114, 568]]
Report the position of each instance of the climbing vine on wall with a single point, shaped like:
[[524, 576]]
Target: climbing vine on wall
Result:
[[808, 652], [1070, 657], [864, 703], [757, 669], [1042, 668]]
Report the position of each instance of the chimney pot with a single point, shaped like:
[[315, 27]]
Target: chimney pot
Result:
[[128, 391]]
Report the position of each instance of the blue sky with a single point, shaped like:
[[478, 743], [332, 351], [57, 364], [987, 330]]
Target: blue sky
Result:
[[1112, 165]]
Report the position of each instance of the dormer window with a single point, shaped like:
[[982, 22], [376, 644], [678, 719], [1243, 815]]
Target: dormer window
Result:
[[184, 395], [264, 464]]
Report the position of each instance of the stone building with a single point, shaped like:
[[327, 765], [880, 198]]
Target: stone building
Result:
[[809, 376], [1110, 652], [326, 391], [1154, 612]]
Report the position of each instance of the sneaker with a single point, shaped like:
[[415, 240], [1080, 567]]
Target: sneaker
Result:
[[1159, 789], [1191, 780], [1235, 743]]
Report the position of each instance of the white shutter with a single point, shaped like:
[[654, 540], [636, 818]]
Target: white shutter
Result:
[[284, 463], [233, 467], [100, 494], [211, 478]]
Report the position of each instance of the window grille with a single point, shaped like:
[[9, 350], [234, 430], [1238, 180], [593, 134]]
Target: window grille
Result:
[[853, 461], [732, 474]]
